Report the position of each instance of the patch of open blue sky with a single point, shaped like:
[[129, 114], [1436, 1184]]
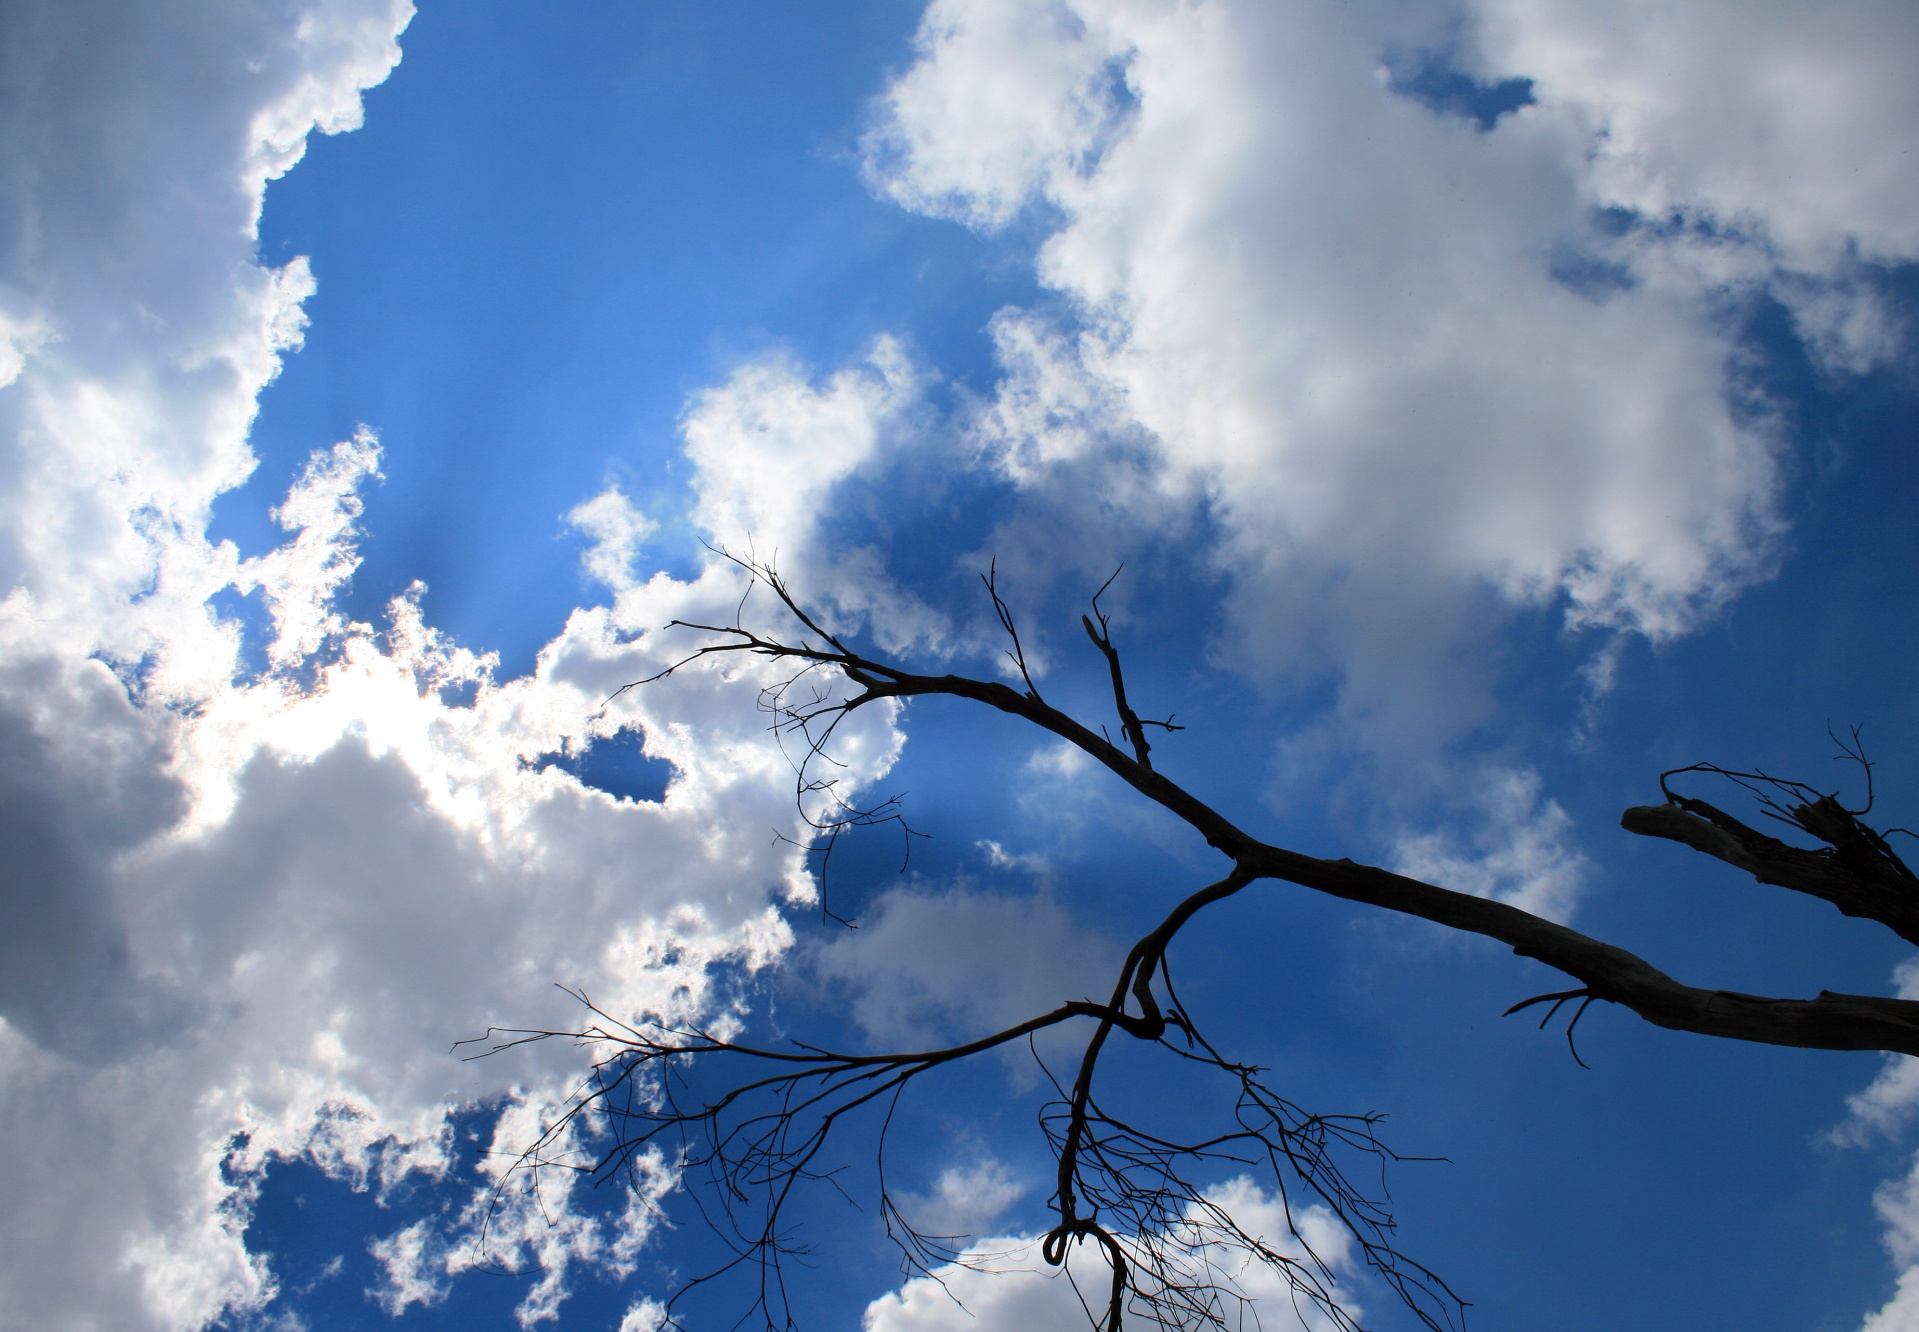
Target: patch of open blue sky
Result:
[[553, 229]]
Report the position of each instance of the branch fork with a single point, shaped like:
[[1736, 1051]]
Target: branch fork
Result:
[[1127, 1189]]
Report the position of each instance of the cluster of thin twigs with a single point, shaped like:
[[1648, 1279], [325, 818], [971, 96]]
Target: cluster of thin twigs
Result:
[[1137, 1195], [1806, 809]]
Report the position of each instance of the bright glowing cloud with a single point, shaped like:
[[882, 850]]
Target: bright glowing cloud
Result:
[[1401, 354], [256, 904]]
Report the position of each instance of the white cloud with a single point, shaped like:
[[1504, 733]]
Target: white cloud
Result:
[[965, 1201], [256, 909], [19, 339], [962, 963], [1881, 1109], [618, 532], [141, 143], [1003, 97], [1515, 850], [1789, 118], [1888, 1103], [1901, 1312], [1062, 760], [407, 1268], [1002, 1283], [380, 872], [1845, 321], [1030, 862], [245, 913], [300, 579], [771, 446], [1897, 1203], [1404, 361], [646, 1316]]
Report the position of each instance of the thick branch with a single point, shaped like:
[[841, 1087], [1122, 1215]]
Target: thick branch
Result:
[[1830, 1021], [1856, 871]]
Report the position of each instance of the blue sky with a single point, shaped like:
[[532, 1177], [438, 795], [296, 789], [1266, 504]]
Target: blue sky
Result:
[[1493, 404]]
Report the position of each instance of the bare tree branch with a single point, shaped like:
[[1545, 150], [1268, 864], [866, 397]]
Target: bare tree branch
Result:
[[1856, 869], [1130, 723], [1134, 1193], [1831, 1021]]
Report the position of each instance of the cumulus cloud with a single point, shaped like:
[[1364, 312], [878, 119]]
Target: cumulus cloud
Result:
[[1408, 357], [1002, 1283], [1515, 850], [257, 887], [618, 532], [1782, 118], [1411, 366], [1897, 1203], [1889, 1101], [300, 579], [646, 1316], [964, 1202], [771, 445], [1882, 1109], [408, 1274], [144, 325], [963, 134], [1425, 370], [307, 892], [139, 327]]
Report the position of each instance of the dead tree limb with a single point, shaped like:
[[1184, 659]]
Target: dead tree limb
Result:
[[1133, 1192], [1856, 869], [1860, 872]]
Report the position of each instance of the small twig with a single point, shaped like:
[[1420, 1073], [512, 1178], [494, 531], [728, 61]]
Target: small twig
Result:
[[1018, 655], [1131, 724], [1559, 1000]]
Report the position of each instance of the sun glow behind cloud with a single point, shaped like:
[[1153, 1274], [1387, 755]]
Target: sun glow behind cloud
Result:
[[244, 886]]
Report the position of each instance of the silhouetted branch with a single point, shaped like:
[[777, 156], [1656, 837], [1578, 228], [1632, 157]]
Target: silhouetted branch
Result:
[[1558, 1001], [1856, 869], [1133, 1192], [1130, 722], [744, 1151], [1830, 1021], [1017, 655]]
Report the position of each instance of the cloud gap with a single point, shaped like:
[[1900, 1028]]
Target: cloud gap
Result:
[[1433, 78]]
